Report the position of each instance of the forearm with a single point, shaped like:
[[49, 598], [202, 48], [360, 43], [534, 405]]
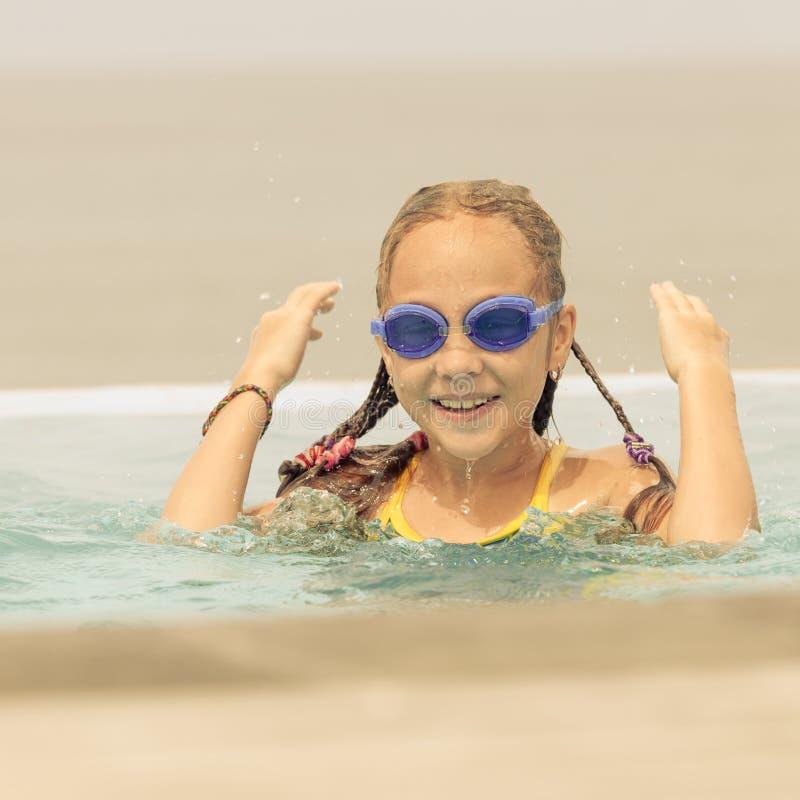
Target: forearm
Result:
[[210, 490], [715, 499]]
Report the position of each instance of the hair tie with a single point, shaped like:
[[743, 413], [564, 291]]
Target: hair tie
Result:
[[327, 454], [338, 452], [638, 449], [419, 440]]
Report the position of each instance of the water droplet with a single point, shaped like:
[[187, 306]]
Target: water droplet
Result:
[[733, 278], [632, 369], [238, 339], [264, 296], [681, 262], [464, 508], [616, 319], [730, 295], [296, 199], [622, 283], [256, 145]]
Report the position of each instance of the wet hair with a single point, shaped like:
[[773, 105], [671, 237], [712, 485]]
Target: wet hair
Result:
[[368, 474]]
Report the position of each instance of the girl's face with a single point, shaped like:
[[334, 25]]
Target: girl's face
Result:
[[451, 266]]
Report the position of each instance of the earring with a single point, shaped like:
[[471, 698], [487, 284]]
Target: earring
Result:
[[555, 374]]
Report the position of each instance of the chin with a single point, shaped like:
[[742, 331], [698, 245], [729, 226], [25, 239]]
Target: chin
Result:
[[467, 445]]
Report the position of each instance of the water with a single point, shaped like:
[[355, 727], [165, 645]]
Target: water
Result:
[[77, 487]]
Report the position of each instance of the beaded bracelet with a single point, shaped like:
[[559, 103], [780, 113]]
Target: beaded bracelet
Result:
[[246, 387]]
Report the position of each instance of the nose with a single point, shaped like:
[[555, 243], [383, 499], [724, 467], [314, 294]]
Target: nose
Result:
[[457, 356]]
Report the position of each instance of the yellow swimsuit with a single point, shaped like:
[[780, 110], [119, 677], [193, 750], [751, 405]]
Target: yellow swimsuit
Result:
[[391, 513]]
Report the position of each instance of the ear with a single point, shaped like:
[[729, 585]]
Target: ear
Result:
[[563, 334]]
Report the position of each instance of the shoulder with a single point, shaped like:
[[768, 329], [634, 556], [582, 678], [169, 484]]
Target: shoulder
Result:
[[604, 476]]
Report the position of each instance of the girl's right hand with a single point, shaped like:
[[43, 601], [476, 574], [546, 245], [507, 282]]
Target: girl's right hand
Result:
[[278, 342]]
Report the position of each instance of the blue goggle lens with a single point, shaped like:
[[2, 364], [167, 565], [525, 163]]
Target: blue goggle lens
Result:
[[411, 333], [500, 326]]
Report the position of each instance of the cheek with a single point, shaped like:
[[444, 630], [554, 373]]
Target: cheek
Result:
[[523, 366], [407, 377], [410, 381]]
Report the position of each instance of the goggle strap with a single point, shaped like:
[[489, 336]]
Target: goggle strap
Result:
[[377, 328], [539, 316]]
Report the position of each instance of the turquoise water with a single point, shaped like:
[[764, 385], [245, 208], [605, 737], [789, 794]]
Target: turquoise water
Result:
[[76, 487]]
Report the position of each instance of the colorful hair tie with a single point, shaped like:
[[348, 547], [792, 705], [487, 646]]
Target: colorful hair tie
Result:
[[246, 387], [638, 449], [419, 440], [327, 453]]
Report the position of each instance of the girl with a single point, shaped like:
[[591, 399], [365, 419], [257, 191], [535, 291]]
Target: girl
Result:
[[473, 335]]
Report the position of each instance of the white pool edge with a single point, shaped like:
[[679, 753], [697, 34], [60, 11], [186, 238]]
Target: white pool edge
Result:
[[161, 399]]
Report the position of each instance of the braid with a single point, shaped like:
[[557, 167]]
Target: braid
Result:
[[380, 399], [616, 406], [544, 408], [657, 499], [370, 469]]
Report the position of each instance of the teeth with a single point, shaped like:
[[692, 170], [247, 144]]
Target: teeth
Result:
[[465, 405]]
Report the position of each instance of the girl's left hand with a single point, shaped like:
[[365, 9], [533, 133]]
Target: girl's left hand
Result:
[[688, 332]]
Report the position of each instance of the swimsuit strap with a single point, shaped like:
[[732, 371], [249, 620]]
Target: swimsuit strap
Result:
[[392, 511], [552, 461], [541, 493]]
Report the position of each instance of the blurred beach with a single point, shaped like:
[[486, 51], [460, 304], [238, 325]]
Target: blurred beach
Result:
[[691, 699], [144, 215]]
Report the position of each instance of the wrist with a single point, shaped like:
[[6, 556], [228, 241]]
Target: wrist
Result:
[[705, 367], [270, 383], [259, 413]]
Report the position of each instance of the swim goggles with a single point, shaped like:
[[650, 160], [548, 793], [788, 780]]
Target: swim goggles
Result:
[[501, 323]]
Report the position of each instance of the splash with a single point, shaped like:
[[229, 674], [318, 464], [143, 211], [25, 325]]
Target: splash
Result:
[[309, 521]]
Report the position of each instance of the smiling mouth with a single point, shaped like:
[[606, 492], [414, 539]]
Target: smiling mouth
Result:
[[462, 404]]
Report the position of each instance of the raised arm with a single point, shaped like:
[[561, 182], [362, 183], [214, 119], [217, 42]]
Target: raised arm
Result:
[[210, 490], [714, 499]]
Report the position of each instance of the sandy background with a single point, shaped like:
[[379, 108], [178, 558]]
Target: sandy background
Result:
[[141, 216], [694, 698]]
